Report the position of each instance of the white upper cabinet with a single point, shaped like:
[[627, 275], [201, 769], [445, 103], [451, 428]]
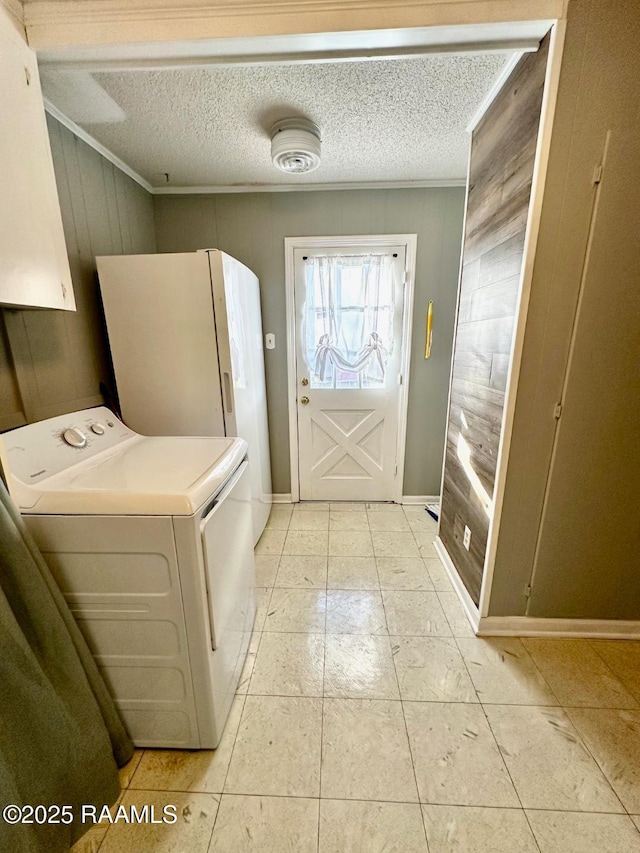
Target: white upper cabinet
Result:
[[34, 268]]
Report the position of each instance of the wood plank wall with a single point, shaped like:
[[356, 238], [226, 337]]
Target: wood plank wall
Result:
[[52, 362], [501, 169]]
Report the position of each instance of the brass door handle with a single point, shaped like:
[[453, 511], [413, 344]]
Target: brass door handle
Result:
[[304, 381], [304, 400]]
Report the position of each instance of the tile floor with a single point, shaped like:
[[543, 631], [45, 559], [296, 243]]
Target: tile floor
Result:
[[369, 719]]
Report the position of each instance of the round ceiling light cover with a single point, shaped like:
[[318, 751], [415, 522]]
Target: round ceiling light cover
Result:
[[295, 145]]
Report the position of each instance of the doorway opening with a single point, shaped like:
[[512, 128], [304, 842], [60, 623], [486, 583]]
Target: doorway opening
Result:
[[349, 313]]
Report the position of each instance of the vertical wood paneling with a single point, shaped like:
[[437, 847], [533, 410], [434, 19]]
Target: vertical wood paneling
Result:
[[501, 170], [57, 359]]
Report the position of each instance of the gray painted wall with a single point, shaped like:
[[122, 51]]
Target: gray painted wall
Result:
[[252, 228], [571, 508], [52, 362]]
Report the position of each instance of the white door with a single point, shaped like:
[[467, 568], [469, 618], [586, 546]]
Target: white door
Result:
[[348, 327]]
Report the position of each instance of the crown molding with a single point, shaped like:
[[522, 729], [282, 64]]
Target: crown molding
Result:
[[97, 146], [297, 188], [64, 23]]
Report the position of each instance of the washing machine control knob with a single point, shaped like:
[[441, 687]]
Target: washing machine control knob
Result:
[[98, 429], [74, 437]]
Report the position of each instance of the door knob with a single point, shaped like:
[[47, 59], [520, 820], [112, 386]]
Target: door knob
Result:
[[304, 381], [304, 400]]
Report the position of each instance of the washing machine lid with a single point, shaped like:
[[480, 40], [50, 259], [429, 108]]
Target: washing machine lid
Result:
[[117, 472]]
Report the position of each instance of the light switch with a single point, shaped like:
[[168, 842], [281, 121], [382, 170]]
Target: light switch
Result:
[[270, 341]]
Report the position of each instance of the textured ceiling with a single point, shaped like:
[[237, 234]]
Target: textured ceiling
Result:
[[393, 120]]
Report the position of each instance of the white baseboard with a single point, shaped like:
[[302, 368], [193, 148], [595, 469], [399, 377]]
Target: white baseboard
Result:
[[417, 500], [533, 626], [282, 499], [468, 605]]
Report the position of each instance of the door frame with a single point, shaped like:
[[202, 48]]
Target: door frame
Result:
[[337, 242]]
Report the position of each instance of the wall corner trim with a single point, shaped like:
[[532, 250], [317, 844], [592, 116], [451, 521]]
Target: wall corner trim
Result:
[[283, 498]]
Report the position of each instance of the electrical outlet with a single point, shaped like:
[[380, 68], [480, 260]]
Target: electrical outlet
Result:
[[466, 541]]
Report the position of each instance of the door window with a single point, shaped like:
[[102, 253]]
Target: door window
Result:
[[348, 320]]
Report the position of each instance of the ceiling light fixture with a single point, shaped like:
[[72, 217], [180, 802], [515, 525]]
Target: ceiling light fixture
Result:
[[295, 145]]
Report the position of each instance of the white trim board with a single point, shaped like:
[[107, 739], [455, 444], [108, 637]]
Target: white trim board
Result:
[[292, 243], [282, 498], [543, 147], [498, 83], [532, 626], [471, 611], [419, 500]]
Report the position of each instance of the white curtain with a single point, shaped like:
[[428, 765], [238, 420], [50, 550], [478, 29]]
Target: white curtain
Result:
[[348, 318]]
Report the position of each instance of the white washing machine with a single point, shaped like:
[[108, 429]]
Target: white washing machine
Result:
[[150, 540]]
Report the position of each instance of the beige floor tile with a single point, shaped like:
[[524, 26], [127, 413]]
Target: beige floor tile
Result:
[[311, 506], [394, 544], [354, 612], [309, 521], [91, 840], [365, 752], [353, 826], [289, 665], [302, 572], [279, 519], [577, 675], [456, 617], [424, 539], [296, 610], [415, 614], [271, 542], [571, 832], [383, 507], [437, 573], [245, 675], [346, 543], [262, 598], [403, 573], [265, 825], [277, 749], [464, 829], [196, 814], [422, 522], [636, 819], [306, 543], [202, 771], [623, 656], [348, 506], [503, 673], [548, 762], [126, 772], [455, 755], [431, 669], [359, 667], [351, 521], [613, 737], [392, 522], [352, 573], [266, 569]]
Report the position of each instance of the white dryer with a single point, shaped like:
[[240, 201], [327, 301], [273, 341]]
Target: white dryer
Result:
[[150, 540]]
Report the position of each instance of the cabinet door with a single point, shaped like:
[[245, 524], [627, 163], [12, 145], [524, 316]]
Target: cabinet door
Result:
[[34, 268]]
